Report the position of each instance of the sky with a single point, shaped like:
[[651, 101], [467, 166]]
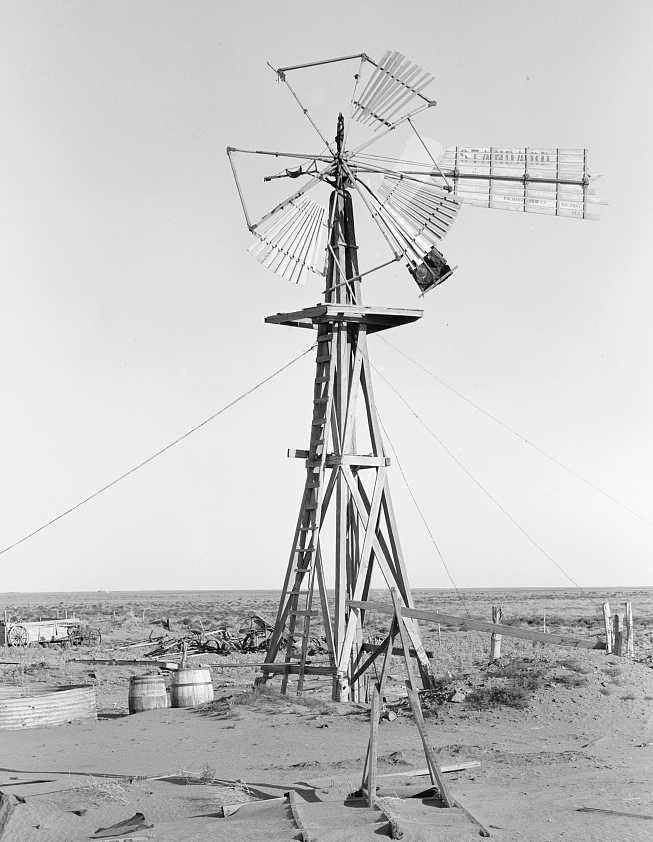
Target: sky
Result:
[[131, 309]]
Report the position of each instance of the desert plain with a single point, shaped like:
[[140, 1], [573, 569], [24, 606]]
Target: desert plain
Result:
[[561, 737]]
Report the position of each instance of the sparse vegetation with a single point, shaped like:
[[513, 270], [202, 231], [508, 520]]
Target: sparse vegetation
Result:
[[269, 699], [488, 698], [207, 774], [574, 665], [523, 674], [100, 789], [571, 680]]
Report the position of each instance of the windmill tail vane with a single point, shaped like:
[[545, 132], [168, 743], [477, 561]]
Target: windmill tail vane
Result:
[[312, 233]]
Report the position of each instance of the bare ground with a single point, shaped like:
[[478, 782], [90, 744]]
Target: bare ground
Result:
[[582, 738]]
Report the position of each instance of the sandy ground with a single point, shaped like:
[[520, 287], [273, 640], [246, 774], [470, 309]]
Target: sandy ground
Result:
[[584, 739], [571, 747]]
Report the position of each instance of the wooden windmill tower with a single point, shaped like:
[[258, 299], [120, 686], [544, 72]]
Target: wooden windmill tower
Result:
[[413, 208]]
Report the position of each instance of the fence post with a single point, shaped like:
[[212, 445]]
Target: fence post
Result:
[[618, 634], [608, 627], [544, 622], [630, 637], [495, 639]]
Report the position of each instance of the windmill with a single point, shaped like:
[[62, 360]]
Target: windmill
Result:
[[413, 205]]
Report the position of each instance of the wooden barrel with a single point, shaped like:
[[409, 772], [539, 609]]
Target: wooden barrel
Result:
[[190, 687], [147, 692]]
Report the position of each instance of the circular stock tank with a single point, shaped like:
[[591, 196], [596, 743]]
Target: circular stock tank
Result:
[[191, 687], [42, 706], [147, 692]]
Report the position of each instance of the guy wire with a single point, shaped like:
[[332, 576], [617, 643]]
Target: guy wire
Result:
[[571, 471], [477, 482], [424, 521], [157, 453]]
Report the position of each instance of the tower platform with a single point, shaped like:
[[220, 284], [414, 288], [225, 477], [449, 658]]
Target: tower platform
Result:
[[374, 318]]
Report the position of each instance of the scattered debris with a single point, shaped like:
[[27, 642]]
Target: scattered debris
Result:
[[252, 634], [7, 807], [613, 813], [136, 822], [594, 741]]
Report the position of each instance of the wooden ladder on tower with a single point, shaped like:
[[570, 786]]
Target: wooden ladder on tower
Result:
[[306, 562]]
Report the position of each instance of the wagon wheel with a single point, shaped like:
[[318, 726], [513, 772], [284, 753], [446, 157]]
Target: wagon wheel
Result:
[[17, 636], [94, 637], [75, 636]]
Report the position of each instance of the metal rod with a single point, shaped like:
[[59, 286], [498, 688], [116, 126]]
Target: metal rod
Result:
[[391, 223], [305, 156], [286, 173], [357, 77], [378, 218], [294, 196], [485, 176], [374, 214], [305, 111], [400, 175], [391, 128], [238, 188], [363, 274], [324, 61]]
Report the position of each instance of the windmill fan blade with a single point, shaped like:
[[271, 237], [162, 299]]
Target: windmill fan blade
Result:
[[527, 179], [287, 242], [393, 85], [420, 213]]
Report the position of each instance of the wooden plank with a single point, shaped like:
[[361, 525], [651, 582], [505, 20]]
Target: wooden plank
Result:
[[608, 628], [131, 662], [614, 813], [413, 698], [352, 396], [293, 669], [387, 656], [334, 460], [374, 746], [375, 318], [495, 639], [370, 647], [342, 583], [618, 634], [229, 809], [303, 834], [324, 602], [470, 624], [445, 768], [630, 636], [426, 672], [482, 830], [365, 561], [388, 812]]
